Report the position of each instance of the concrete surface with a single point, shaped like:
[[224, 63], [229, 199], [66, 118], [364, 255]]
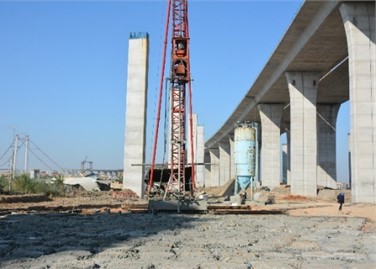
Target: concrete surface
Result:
[[312, 234]]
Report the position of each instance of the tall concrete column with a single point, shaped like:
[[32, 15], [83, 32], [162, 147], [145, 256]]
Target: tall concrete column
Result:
[[288, 153], [224, 163], [232, 158], [200, 157], [285, 163], [271, 144], [303, 94], [198, 150], [208, 168], [194, 135], [326, 146], [214, 168], [359, 21], [135, 116]]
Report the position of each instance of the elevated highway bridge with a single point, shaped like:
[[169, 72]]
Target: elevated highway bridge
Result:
[[326, 58]]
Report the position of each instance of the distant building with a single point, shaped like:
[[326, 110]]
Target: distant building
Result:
[[34, 173]]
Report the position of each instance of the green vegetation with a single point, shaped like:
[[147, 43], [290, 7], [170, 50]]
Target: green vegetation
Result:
[[24, 184], [4, 182]]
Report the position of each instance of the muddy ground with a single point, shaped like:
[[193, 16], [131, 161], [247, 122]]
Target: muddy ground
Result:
[[309, 234]]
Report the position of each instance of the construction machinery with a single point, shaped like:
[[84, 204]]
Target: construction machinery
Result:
[[176, 191], [83, 168]]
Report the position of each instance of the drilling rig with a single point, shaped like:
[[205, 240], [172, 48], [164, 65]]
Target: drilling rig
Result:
[[180, 186]]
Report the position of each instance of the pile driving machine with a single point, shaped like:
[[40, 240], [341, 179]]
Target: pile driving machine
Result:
[[173, 188]]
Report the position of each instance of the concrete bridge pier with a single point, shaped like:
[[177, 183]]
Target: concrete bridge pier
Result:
[[193, 140], [232, 158], [212, 173], [207, 168], [198, 149], [224, 163], [303, 88], [200, 156], [135, 118], [359, 21], [270, 115], [326, 145], [287, 162]]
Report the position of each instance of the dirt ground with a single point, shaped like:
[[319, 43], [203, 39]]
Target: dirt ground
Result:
[[94, 230]]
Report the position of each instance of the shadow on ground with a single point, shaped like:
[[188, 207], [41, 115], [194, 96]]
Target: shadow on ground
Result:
[[34, 235]]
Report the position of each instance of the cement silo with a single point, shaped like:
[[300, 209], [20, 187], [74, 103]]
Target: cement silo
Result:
[[245, 153]]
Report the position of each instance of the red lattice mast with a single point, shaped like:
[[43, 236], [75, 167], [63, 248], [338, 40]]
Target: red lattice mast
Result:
[[180, 78], [180, 81]]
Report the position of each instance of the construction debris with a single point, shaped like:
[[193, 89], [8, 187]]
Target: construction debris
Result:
[[125, 194], [24, 198], [87, 183]]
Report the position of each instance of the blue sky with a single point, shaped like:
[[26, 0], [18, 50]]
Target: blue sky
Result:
[[64, 64]]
